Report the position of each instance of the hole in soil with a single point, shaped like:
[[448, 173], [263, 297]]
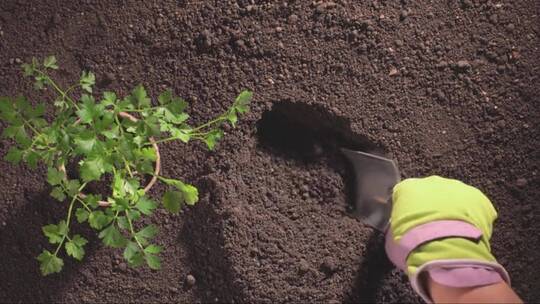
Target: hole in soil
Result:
[[312, 134], [306, 132]]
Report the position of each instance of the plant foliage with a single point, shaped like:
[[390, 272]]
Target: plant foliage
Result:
[[94, 130]]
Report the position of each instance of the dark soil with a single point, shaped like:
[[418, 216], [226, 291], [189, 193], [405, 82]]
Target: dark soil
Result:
[[445, 87]]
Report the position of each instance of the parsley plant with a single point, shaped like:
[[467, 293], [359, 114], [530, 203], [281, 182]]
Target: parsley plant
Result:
[[111, 136]]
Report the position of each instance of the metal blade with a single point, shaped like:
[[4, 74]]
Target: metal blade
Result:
[[375, 177]]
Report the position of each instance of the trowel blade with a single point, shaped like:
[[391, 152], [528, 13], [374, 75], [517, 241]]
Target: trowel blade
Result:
[[375, 178]]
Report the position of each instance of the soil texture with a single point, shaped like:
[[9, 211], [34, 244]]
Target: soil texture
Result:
[[444, 87]]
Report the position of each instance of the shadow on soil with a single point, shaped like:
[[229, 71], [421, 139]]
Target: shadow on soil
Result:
[[22, 241], [307, 134], [202, 236]]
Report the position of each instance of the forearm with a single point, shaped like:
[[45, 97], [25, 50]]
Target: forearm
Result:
[[494, 293]]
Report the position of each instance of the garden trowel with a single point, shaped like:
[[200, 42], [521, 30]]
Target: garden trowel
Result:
[[375, 178]]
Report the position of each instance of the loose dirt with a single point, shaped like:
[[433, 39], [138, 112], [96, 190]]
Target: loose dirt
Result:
[[444, 87]]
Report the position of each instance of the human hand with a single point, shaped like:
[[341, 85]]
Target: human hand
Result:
[[442, 227]]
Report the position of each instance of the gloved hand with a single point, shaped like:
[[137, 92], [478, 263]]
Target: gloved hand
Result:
[[442, 227]]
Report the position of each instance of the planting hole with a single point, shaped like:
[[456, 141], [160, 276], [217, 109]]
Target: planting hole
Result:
[[306, 132], [312, 134]]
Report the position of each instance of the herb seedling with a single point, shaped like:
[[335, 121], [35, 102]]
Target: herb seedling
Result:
[[111, 136]]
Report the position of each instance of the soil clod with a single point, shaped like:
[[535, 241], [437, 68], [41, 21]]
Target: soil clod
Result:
[[190, 280]]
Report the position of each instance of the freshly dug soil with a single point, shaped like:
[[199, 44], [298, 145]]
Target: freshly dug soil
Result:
[[444, 87]]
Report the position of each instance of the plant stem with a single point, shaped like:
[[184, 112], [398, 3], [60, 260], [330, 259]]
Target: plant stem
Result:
[[57, 88], [84, 204], [143, 110], [194, 135], [119, 125], [127, 166], [211, 122], [133, 231], [68, 220], [36, 132]]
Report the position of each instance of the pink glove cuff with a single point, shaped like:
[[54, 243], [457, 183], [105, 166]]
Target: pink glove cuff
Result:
[[458, 273], [452, 273]]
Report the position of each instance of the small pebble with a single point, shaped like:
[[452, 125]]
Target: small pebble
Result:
[[18, 61], [403, 15], [463, 65], [240, 43], [521, 182], [328, 265], [190, 280], [440, 95], [122, 266], [293, 18], [303, 266]]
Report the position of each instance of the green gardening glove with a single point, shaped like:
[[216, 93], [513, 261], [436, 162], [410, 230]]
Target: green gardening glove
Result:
[[442, 227]]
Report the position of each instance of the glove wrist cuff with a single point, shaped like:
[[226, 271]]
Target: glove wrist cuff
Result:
[[458, 273], [398, 251]]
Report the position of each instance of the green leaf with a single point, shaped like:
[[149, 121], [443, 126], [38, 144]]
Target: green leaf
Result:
[[153, 261], [58, 194], [177, 105], [109, 98], [89, 110], [242, 101], [75, 247], [147, 232], [180, 134], [232, 117], [133, 254], [15, 131], [139, 93], [92, 200], [165, 97], [191, 194], [35, 112], [212, 138], [188, 193], [153, 249], [55, 176], [112, 237], [85, 142], [171, 117], [149, 154], [28, 69], [123, 222], [73, 186], [82, 215], [50, 63], [31, 158], [98, 219], [145, 205], [49, 263], [88, 79], [92, 169], [133, 214], [22, 103], [55, 233], [112, 133], [14, 155], [172, 201]]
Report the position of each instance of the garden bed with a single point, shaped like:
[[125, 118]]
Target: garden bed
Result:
[[447, 88]]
